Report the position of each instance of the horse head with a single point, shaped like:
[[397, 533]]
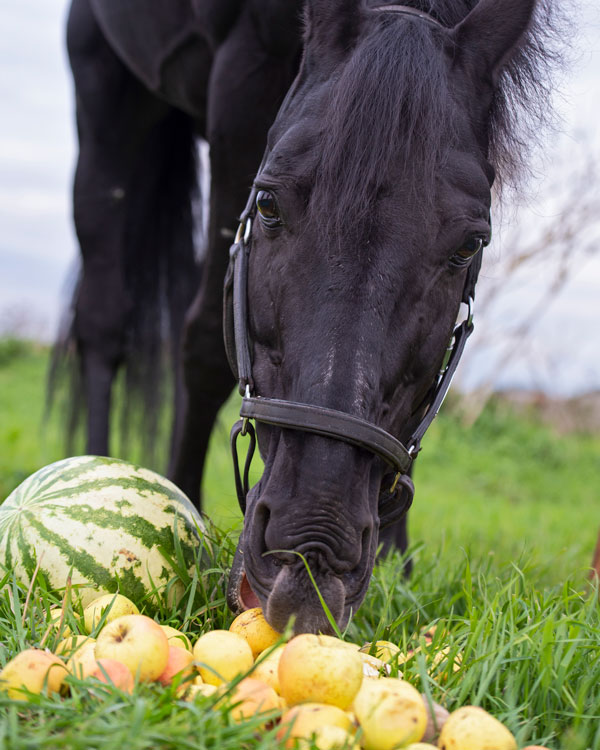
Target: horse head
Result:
[[369, 216]]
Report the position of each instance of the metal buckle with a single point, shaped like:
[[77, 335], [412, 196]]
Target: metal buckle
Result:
[[246, 420], [243, 231]]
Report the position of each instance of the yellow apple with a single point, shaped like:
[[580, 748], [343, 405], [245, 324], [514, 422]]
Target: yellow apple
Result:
[[252, 626], [202, 689], [83, 661], [56, 615], [68, 646], [420, 746], [317, 668], [267, 665], [471, 728], [302, 721], [115, 672], [180, 663], [221, 655], [33, 670], [330, 737], [384, 650], [177, 638], [137, 641], [115, 605], [390, 712]]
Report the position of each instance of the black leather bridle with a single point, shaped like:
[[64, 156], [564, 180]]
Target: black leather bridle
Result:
[[330, 423]]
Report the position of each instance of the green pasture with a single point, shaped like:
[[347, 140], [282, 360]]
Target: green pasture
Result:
[[503, 530]]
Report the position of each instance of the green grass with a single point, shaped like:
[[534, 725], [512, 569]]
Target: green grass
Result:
[[503, 529]]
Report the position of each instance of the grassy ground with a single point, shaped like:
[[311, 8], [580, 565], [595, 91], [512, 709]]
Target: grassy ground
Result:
[[503, 530]]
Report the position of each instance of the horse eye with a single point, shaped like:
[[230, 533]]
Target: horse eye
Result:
[[470, 248], [266, 206]]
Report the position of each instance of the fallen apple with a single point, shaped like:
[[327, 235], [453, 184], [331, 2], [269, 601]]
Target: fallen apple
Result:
[[252, 626], [437, 716], [471, 728], [302, 721], [177, 638], [317, 668], [33, 670], [59, 620], [267, 665], [115, 672], [202, 689], [68, 646], [137, 641], [391, 713], [251, 697], [115, 605], [83, 660], [384, 650], [329, 737], [221, 655], [180, 664]]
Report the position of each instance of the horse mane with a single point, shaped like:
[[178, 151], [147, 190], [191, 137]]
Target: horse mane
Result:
[[392, 91]]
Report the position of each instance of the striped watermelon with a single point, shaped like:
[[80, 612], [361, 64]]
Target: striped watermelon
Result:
[[104, 521]]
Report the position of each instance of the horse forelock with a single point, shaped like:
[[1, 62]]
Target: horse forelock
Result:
[[390, 105]]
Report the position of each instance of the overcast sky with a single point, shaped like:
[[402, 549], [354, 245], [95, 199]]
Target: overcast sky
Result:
[[37, 245]]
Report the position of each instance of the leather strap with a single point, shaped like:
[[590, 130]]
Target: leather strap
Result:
[[329, 423], [407, 10]]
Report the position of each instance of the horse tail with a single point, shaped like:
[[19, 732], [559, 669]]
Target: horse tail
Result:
[[162, 273]]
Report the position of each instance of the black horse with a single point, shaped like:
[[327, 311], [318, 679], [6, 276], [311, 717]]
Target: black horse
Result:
[[362, 236]]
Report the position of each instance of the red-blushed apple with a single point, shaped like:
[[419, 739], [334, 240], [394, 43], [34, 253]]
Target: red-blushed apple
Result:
[[471, 728], [177, 638], [252, 626], [221, 655], [251, 697], [137, 641], [391, 713], [180, 665], [319, 669], [437, 716], [114, 605], [302, 721], [115, 672], [33, 670]]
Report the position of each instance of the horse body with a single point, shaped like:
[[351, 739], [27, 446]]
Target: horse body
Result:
[[369, 213]]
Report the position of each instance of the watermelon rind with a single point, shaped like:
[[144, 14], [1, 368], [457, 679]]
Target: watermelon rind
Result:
[[109, 525]]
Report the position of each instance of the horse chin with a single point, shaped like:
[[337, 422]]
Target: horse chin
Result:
[[292, 601], [288, 599]]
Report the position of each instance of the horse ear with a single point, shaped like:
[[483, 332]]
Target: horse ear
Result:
[[490, 35], [332, 27]]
